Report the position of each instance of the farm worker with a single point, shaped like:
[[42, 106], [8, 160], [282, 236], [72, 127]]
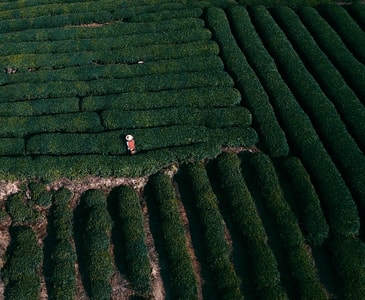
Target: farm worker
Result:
[[130, 144]]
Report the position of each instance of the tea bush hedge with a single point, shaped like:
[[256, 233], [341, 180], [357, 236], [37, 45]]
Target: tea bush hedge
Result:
[[347, 256], [116, 71], [39, 107], [115, 30], [63, 257], [254, 97], [151, 83], [11, 146], [323, 114], [19, 210], [332, 188], [195, 97], [128, 55], [311, 216], [134, 238], [299, 259], [350, 108], [21, 270], [245, 215], [357, 11], [217, 249], [211, 118], [346, 27], [96, 236], [107, 43], [352, 70], [76, 122], [183, 281]]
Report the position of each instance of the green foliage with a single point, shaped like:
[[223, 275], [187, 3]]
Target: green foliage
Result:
[[112, 142], [331, 188], [211, 118], [96, 244], [127, 55], [300, 261], [39, 194], [315, 226], [346, 27], [11, 146], [20, 273], [350, 108], [3, 214], [107, 43], [196, 97], [263, 264], [77, 122], [114, 29], [183, 281], [348, 257], [39, 107], [134, 240], [165, 14], [217, 249], [108, 71], [322, 112], [254, 96], [19, 210], [352, 70]]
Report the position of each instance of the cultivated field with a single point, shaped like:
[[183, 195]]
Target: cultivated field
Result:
[[249, 176]]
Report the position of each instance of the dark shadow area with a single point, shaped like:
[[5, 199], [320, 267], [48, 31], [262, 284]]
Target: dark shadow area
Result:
[[156, 232], [116, 233], [326, 271], [240, 258], [80, 217], [209, 289], [274, 240], [49, 244]]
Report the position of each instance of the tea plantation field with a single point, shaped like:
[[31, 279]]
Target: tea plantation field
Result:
[[249, 176]]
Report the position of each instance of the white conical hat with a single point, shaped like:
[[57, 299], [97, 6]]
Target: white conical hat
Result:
[[129, 137]]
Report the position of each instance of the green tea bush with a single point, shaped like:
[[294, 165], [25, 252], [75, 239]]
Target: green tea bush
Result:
[[253, 94], [77, 122], [263, 265], [348, 258], [39, 107], [57, 21], [112, 71], [127, 55], [196, 97], [211, 118], [311, 216], [330, 42], [78, 166], [63, 257], [39, 194], [113, 142], [134, 238], [19, 210], [183, 281], [300, 261], [11, 146], [22, 265], [347, 28], [116, 30], [151, 83], [96, 236], [107, 43], [179, 12], [322, 112], [217, 249], [332, 188], [350, 108]]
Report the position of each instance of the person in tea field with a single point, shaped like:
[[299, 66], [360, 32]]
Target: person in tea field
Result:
[[130, 144]]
